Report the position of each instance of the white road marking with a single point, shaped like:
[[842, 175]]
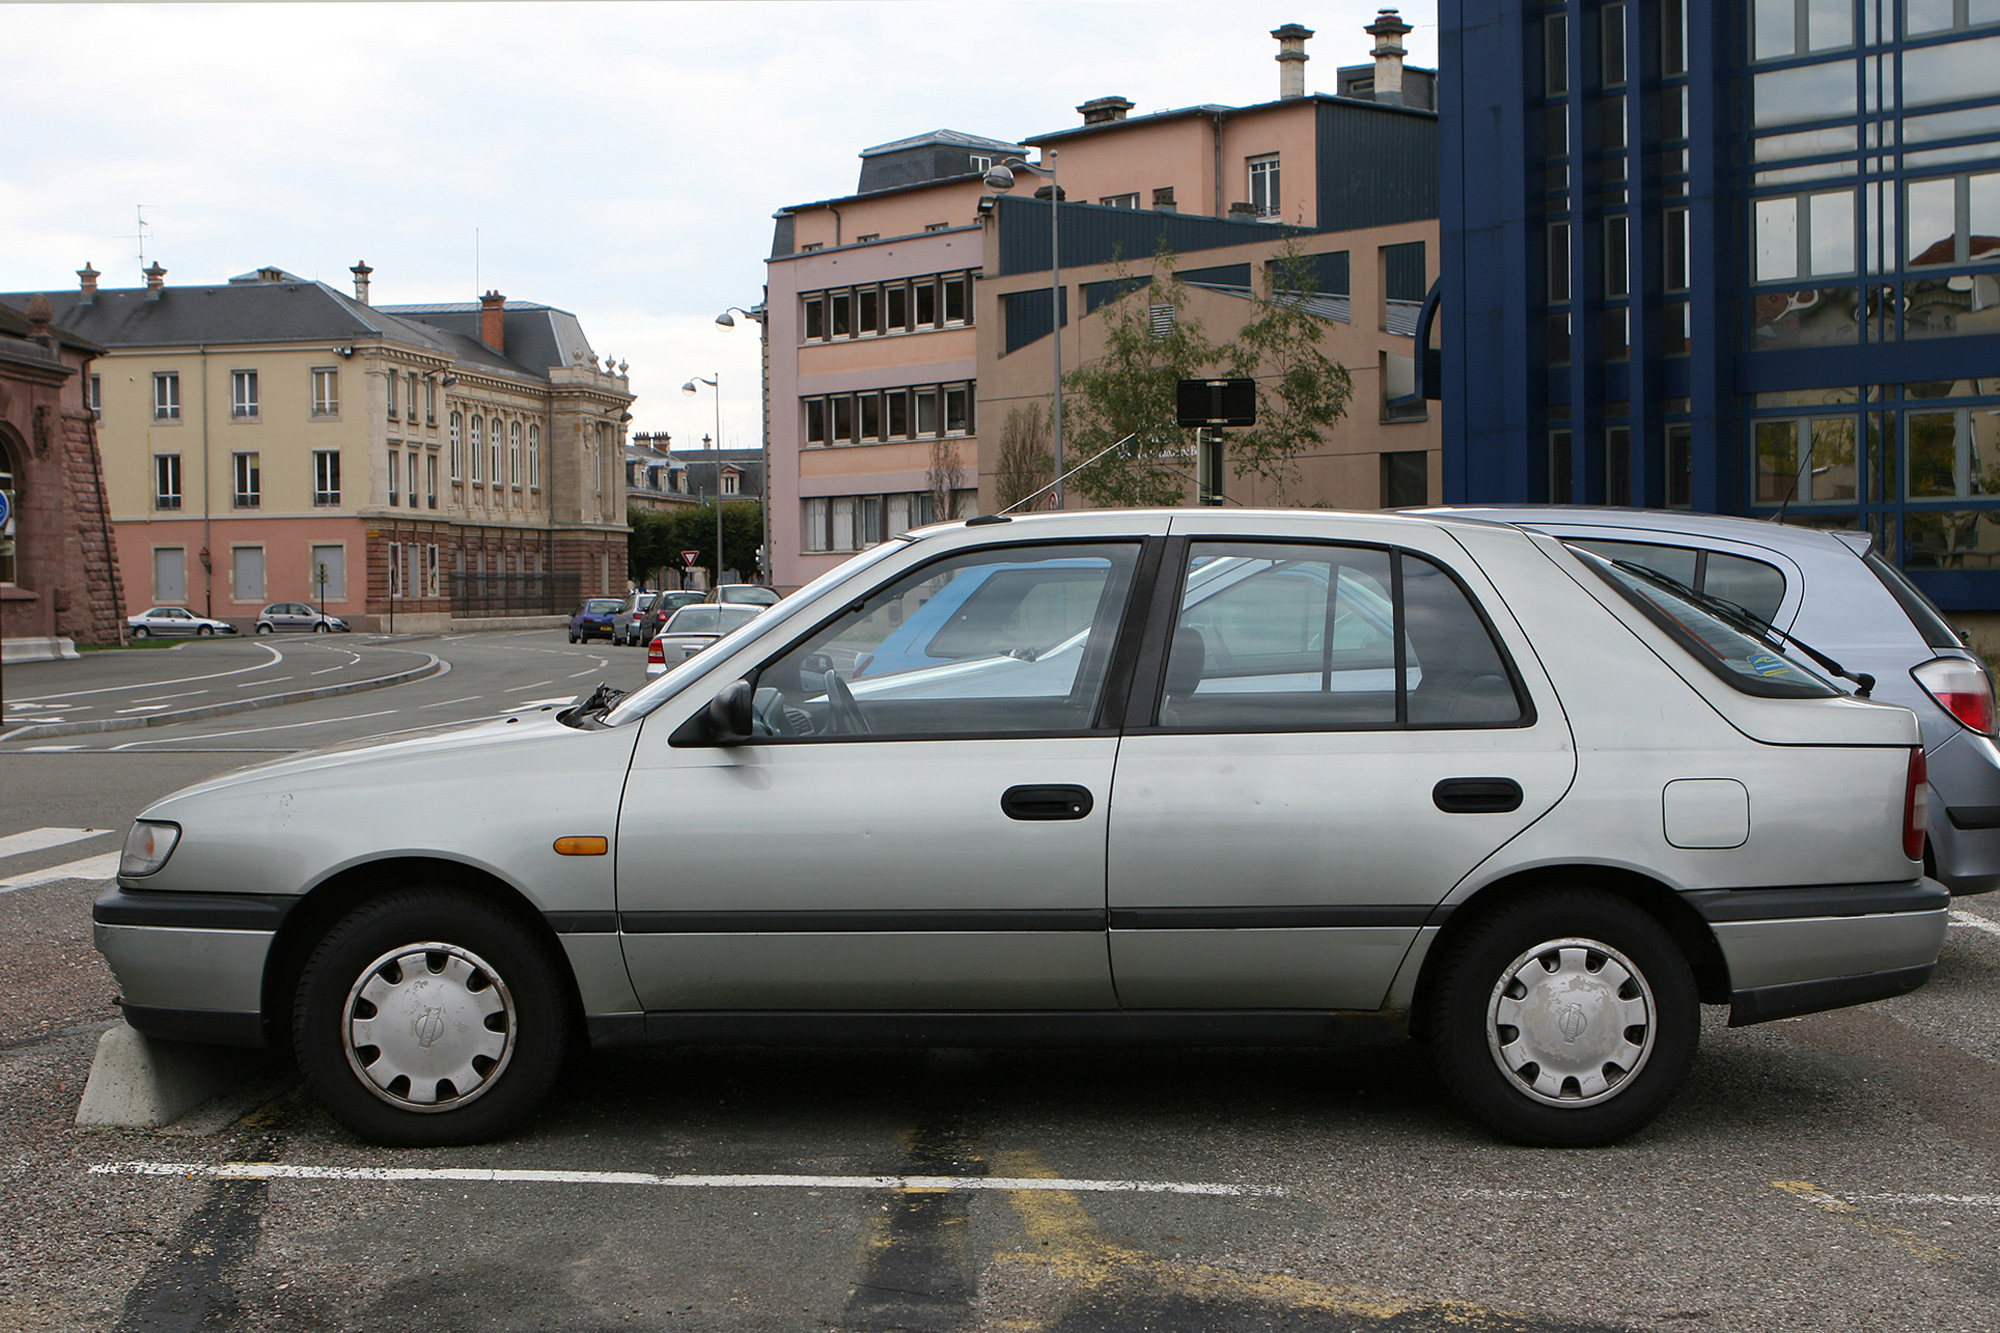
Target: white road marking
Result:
[[48, 749], [162, 698], [246, 731], [442, 702], [587, 671], [512, 689], [276, 657], [337, 666], [493, 1176], [253, 684], [529, 705], [41, 839], [94, 867], [141, 708], [1959, 918]]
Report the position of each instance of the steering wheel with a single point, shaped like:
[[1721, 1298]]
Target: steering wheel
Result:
[[846, 713]]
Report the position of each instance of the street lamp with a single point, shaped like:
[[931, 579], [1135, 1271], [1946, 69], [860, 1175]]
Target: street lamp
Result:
[[1002, 178], [690, 390], [764, 404]]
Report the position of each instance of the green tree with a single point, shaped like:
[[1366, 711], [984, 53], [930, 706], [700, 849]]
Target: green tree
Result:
[[1152, 344], [658, 538]]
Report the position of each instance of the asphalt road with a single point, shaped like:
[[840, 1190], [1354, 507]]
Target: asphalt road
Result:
[[1837, 1172]]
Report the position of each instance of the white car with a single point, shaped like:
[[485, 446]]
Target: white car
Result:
[[169, 621], [1203, 775]]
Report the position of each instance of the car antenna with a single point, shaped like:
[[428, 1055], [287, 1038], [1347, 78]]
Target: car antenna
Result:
[[1001, 515]]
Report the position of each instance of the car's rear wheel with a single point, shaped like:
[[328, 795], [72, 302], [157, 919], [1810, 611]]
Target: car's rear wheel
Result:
[[1565, 1018], [141, 632], [205, 631], [321, 627], [263, 629], [430, 1016]]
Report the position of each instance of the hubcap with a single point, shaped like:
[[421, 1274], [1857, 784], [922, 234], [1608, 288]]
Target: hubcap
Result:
[[1570, 1022], [428, 1027]]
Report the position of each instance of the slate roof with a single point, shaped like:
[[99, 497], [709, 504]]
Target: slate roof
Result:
[[245, 310]]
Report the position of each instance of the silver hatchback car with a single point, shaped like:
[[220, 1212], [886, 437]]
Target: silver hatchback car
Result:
[[1836, 592], [1196, 776]]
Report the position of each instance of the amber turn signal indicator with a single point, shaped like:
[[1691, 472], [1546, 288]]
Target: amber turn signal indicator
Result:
[[582, 846]]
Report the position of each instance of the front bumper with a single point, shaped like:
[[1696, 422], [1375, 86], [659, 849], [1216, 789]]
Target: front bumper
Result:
[[190, 966], [1800, 950]]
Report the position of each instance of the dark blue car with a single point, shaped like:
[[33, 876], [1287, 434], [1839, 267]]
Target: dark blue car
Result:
[[593, 620]]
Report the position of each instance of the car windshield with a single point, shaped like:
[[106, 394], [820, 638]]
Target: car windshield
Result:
[[1749, 664]]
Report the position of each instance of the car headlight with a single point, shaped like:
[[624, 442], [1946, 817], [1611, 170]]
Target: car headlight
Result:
[[148, 846]]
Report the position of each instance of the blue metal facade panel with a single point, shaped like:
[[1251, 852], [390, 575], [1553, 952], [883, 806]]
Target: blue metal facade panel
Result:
[[1376, 168], [1095, 234]]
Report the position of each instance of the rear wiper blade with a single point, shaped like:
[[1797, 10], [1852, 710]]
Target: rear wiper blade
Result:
[[1750, 622]]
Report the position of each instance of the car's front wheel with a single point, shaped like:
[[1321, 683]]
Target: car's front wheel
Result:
[[321, 627], [263, 629], [428, 1017], [141, 632], [1565, 1018], [205, 631]]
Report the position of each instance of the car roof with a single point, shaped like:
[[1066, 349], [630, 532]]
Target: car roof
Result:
[[1720, 527]]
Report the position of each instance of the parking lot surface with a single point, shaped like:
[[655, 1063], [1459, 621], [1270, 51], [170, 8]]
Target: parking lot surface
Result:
[[1836, 1172]]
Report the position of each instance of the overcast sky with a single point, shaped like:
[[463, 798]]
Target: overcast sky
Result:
[[621, 161]]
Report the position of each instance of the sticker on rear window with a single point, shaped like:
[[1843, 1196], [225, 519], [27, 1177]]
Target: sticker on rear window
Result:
[[1764, 664]]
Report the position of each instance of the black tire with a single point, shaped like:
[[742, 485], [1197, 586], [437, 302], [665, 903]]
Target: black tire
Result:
[[483, 960], [205, 631], [572, 636], [263, 629], [1596, 958], [321, 627], [141, 632]]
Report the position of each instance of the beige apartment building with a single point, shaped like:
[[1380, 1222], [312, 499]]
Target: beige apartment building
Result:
[[271, 439], [907, 320]]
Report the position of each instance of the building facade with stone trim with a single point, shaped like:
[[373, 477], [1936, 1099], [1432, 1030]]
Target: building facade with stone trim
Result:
[[59, 582], [271, 439]]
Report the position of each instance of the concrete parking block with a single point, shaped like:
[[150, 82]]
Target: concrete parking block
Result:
[[141, 1082]]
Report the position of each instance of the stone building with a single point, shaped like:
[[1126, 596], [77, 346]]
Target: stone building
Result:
[[270, 438], [58, 561]]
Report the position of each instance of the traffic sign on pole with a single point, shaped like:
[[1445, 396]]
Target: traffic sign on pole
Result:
[[689, 557]]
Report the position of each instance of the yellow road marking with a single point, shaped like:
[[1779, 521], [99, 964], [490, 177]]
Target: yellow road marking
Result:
[[1906, 1240]]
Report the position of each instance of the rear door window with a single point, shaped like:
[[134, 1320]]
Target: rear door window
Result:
[[1299, 638], [1757, 587]]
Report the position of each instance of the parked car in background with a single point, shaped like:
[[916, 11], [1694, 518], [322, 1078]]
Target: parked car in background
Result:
[[1836, 592], [297, 618], [692, 629], [627, 625], [169, 621], [669, 602], [1532, 805], [593, 619], [749, 594]]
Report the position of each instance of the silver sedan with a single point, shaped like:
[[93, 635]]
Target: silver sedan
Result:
[[1128, 776], [175, 621]]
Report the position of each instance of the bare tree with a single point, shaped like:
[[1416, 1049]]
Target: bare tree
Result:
[[1024, 464], [942, 479]]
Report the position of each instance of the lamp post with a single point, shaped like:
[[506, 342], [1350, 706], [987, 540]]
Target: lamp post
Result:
[[764, 404], [1002, 178], [689, 389]]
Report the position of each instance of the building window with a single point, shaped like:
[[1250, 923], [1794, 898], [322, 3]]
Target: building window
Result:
[[980, 163], [1783, 28], [395, 569], [901, 306], [1558, 263], [457, 444], [1406, 479], [166, 481], [1555, 55], [246, 573], [391, 378], [534, 457], [326, 477], [1676, 258], [431, 579], [95, 401], [1611, 31], [1807, 235], [478, 456], [412, 491], [1811, 460], [170, 574], [329, 573], [493, 446], [243, 394], [326, 391], [166, 395], [731, 483], [866, 237], [1120, 200], [249, 481], [514, 454], [937, 226], [395, 477], [1264, 186], [1617, 274], [430, 401], [1953, 219], [811, 246], [410, 407]]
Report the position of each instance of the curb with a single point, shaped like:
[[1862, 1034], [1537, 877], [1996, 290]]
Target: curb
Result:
[[435, 666]]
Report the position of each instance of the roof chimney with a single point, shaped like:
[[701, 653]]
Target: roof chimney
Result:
[[88, 277], [1292, 59], [156, 279], [1104, 110], [1387, 30], [361, 272], [493, 321]]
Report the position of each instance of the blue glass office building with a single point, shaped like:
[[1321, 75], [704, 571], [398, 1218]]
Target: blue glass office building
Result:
[[1741, 256]]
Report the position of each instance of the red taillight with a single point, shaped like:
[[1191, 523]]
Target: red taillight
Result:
[[1916, 805], [656, 652], [1962, 688]]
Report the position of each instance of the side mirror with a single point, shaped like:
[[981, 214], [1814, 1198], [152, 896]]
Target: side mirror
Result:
[[731, 719]]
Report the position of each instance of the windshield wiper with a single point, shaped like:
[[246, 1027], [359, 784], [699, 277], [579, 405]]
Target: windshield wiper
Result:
[[601, 701], [1749, 622]]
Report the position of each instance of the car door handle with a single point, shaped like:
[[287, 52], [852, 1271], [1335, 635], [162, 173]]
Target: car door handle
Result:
[[1477, 796], [1055, 801]]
